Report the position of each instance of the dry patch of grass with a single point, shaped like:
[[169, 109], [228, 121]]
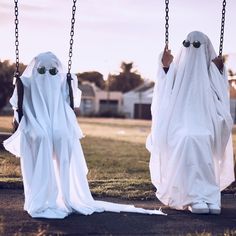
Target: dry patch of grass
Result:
[[132, 131], [9, 165], [226, 233], [123, 188], [5, 124], [114, 159], [115, 153], [116, 168]]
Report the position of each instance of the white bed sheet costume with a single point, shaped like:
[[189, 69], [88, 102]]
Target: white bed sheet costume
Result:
[[48, 143], [190, 141]]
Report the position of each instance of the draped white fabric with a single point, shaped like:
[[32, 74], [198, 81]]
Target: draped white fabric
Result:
[[190, 141], [48, 144]]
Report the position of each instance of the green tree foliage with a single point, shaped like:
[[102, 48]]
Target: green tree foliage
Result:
[[93, 77], [126, 80], [6, 78]]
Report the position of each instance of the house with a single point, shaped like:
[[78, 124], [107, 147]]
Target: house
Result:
[[87, 105], [95, 101], [232, 91], [108, 102], [137, 102]]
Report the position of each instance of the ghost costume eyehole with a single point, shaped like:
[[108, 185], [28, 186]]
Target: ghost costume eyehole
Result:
[[48, 143], [190, 141]]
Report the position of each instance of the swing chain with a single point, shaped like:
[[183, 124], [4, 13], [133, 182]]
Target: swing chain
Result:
[[16, 75], [222, 28], [71, 35], [167, 22]]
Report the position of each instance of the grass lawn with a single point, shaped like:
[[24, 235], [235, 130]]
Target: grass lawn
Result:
[[115, 153]]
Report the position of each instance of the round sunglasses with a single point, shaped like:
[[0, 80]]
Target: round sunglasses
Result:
[[195, 44], [52, 71]]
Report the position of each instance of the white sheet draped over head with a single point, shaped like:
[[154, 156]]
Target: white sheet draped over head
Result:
[[48, 144], [191, 126]]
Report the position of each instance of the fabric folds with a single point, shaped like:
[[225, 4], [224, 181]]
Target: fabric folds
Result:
[[48, 143], [190, 141]]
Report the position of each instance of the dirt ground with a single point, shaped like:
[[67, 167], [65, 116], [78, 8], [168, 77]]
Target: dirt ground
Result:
[[14, 221]]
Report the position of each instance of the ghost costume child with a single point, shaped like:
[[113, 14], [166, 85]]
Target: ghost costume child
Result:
[[48, 144], [190, 140]]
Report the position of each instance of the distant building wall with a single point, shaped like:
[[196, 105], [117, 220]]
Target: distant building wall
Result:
[[105, 100], [137, 103], [232, 92], [233, 109], [95, 101]]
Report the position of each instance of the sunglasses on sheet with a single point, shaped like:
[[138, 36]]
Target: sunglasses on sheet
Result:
[[195, 44], [52, 71]]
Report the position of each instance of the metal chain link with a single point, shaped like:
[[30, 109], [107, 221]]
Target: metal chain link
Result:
[[71, 35], [17, 81], [167, 22], [222, 28], [16, 39]]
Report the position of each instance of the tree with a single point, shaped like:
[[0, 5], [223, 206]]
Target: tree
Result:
[[93, 77], [231, 73], [225, 57], [6, 78], [126, 80]]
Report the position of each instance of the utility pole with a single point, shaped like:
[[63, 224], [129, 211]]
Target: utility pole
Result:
[[108, 92]]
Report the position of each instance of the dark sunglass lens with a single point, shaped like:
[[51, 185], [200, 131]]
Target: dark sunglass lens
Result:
[[186, 43], [41, 70], [53, 71], [196, 44]]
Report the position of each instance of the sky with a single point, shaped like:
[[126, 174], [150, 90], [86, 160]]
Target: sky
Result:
[[108, 32]]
